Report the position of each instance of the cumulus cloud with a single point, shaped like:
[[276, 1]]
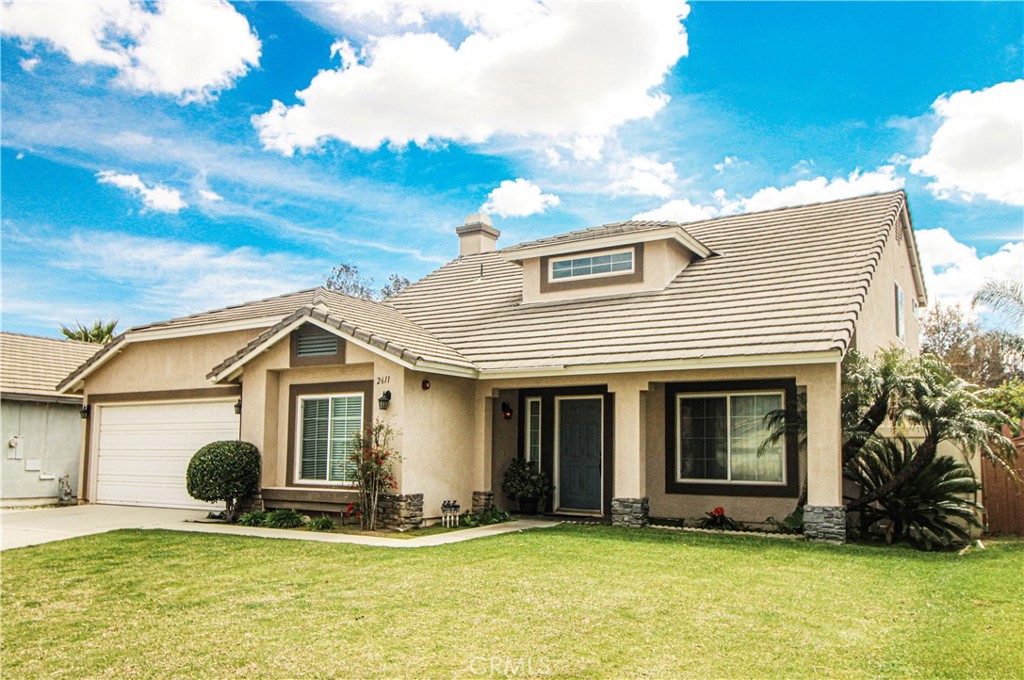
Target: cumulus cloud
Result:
[[817, 190], [565, 70], [210, 196], [644, 176], [978, 149], [155, 197], [518, 198], [191, 49], [954, 271], [679, 210], [727, 162]]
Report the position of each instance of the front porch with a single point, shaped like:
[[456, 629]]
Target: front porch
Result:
[[670, 444]]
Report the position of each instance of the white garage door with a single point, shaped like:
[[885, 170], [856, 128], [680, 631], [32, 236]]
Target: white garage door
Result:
[[144, 450]]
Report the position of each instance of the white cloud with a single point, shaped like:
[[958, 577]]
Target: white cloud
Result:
[[191, 49], [644, 176], [817, 190], [587, 147], [156, 197], [954, 271], [978, 149], [519, 198], [20, 156], [727, 162], [210, 196], [567, 70], [679, 210], [29, 64]]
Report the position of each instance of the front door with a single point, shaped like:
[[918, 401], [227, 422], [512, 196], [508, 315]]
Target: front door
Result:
[[580, 435]]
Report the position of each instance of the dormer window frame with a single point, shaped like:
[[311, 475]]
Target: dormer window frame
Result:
[[549, 285], [590, 256]]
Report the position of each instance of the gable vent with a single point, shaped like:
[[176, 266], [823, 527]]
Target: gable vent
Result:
[[316, 344]]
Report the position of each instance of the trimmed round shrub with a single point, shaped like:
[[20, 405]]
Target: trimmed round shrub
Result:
[[224, 471]]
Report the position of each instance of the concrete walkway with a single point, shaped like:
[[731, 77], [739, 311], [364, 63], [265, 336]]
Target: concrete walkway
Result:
[[20, 528]]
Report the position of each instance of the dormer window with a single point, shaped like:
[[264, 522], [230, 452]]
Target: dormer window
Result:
[[608, 263]]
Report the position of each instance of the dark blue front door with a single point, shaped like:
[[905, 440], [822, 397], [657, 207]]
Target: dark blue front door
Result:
[[579, 454]]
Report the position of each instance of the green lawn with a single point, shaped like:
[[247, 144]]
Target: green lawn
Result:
[[574, 601]]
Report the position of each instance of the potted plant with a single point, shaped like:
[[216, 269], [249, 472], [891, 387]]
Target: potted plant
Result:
[[523, 482]]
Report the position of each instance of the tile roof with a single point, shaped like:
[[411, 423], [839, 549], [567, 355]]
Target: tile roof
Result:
[[784, 281], [31, 367]]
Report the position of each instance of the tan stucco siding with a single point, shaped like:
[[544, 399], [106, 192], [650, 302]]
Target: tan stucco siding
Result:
[[163, 365], [876, 324], [438, 442]]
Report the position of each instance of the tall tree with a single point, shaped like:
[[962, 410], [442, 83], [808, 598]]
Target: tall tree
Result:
[[101, 331], [346, 278], [984, 357]]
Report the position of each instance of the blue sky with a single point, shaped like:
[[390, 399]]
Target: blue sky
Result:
[[158, 159]]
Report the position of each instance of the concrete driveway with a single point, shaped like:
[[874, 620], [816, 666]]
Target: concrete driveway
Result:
[[19, 528]]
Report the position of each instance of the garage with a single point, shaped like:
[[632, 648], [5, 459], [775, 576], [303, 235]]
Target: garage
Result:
[[143, 450]]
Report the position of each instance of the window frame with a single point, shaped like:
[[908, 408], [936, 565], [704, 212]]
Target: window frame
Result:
[[728, 396], [791, 449], [298, 479], [590, 256], [901, 315], [528, 404]]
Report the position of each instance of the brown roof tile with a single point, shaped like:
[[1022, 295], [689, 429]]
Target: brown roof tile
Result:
[[31, 367]]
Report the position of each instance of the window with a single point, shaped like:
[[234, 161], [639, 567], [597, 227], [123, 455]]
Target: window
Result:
[[718, 437], [327, 430], [315, 343], [531, 450], [901, 324], [603, 264]]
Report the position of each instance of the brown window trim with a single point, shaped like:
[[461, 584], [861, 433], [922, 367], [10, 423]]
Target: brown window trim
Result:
[[547, 433], [672, 486], [636, 276], [307, 389], [320, 360]]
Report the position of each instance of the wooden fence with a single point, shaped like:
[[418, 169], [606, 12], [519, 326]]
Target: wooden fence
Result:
[[1004, 497]]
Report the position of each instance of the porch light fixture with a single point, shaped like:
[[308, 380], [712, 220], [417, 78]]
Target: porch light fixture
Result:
[[384, 400], [238, 407], [506, 410], [425, 384], [84, 413]]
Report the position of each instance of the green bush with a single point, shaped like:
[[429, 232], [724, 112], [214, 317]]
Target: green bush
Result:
[[284, 519], [492, 515], [322, 524], [522, 480], [933, 511], [224, 471], [256, 518]]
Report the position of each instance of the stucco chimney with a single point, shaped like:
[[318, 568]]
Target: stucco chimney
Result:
[[477, 235]]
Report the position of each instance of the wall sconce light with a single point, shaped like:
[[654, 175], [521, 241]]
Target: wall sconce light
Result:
[[384, 400], [238, 407], [84, 413], [506, 410], [425, 384]]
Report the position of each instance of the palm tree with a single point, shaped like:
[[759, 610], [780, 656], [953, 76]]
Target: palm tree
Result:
[[100, 333], [944, 408], [1006, 297]]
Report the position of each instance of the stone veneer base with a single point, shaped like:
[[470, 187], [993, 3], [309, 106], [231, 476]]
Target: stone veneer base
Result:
[[825, 523], [400, 512], [630, 512], [482, 501]]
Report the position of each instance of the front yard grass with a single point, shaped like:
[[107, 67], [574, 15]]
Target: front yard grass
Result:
[[573, 601]]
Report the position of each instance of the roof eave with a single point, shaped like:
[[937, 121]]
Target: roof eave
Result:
[[675, 232]]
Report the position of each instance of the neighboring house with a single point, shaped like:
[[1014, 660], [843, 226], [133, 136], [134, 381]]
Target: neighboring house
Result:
[[42, 430], [634, 361]]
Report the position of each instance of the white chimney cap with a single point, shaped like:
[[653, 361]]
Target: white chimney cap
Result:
[[477, 218]]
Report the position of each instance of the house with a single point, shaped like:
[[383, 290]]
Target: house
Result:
[[634, 361], [42, 430]]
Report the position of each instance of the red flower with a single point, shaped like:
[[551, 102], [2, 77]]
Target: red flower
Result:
[[348, 510], [719, 511]]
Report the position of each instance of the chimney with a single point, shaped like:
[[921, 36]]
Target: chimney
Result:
[[477, 235]]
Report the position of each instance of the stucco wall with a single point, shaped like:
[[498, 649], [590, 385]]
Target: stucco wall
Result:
[[173, 364], [876, 325], [48, 433]]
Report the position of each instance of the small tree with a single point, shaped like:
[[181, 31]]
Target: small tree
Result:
[[346, 278], [224, 471], [375, 458]]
